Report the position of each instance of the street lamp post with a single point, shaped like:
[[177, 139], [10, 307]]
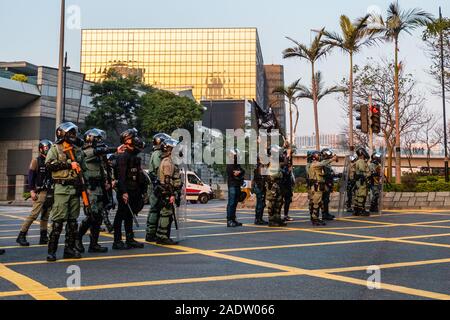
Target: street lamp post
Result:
[[443, 97], [59, 95]]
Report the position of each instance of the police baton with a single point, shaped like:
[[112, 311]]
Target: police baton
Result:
[[134, 216]]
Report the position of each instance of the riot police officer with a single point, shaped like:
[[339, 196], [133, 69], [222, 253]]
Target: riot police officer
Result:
[[362, 173], [351, 183], [155, 201], [170, 192], [259, 189], [41, 190], [308, 180], [64, 171], [235, 174], [94, 150], [317, 185], [273, 187], [375, 181], [131, 187], [329, 176]]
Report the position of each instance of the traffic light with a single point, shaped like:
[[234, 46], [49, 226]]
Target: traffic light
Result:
[[375, 119], [363, 119]]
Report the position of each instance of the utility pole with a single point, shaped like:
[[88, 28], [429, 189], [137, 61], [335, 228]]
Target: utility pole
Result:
[[64, 89], [59, 94], [447, 179], [370, 126]]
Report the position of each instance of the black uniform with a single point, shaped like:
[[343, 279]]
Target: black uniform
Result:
[[129, 180]]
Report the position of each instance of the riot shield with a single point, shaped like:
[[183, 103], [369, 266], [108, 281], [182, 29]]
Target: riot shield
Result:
[[180, 210], [343, 188]]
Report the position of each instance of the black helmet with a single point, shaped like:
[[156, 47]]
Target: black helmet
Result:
[[128, 134], [95, 135], [44, 146], [326, 154], [376, 158], [139, 144], [68, 132], [361, 152], [159, 138], [315, 156], [309, 156]]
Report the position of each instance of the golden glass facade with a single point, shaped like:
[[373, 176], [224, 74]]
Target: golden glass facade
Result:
[[217, 64]]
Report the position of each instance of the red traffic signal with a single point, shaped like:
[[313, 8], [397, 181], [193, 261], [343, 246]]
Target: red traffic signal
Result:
[[375, 119]]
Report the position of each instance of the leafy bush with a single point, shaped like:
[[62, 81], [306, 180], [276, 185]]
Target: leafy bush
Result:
[[19, 77], [433, 187]]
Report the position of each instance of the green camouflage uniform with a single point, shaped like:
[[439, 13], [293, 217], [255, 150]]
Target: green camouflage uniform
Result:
[[274, 196], [308, 185], [375, 185], [329, 184], [361, 188], [317, 186], [66, 205], [171, 184], [155, 202], [94, 175]]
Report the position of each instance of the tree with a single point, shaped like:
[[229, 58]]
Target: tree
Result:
[[116, 102], [397, 22], [163, 111], [19, 77], [354, 36], [431, 36], [430, 133], [377, 79], [317, 50], [318, 91], [290, 93]]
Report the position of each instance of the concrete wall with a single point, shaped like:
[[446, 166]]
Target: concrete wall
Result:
[[392, 200]]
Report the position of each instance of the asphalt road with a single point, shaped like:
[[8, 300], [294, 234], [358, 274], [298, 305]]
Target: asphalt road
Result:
[[408, 252]]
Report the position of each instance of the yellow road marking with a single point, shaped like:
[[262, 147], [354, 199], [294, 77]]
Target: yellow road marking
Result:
[[134, 256], [28, 285], [7, 294], [178, 281], [388, 266]]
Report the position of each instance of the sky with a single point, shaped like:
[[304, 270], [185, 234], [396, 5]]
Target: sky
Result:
[[29, 31]]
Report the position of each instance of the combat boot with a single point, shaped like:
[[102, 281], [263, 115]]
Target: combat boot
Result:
[[328, 217], [94, 247], [2, 252], [79, 245], [133, 244], [22, 239], [53, 241], [364, 213], [44, 238], [70, 252], [166, 242], [119, 245], [261, 222], [356, 212], [150, 238]]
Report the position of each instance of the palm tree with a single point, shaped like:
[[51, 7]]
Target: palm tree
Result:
[[397, 22], [354, 36], [290, 93], [317, 50], [318, 90]]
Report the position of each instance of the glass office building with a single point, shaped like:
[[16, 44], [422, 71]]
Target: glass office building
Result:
[[217, 64]]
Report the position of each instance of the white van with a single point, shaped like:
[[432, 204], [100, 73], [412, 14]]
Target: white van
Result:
[[197, 190]]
